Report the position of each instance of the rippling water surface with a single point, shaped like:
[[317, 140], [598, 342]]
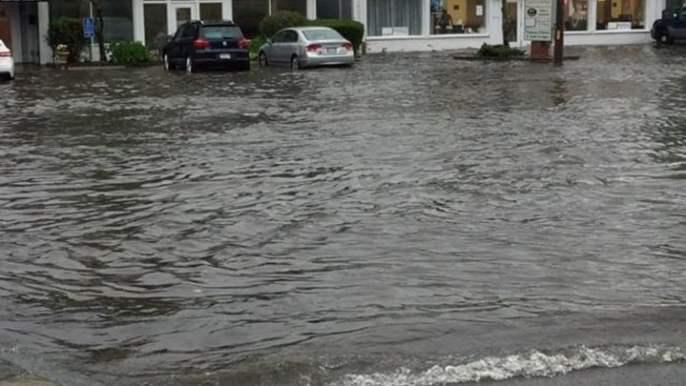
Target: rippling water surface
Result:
[[343, 227]]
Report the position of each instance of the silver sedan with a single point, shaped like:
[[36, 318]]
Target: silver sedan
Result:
[[302, 47]]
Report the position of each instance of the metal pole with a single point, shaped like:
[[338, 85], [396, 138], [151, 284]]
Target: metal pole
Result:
[[559, 32], [90, 51]]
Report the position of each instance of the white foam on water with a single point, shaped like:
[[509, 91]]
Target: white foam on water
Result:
[[531, 364]]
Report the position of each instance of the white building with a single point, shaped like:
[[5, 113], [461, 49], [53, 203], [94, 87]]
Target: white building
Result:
[[391, 25]]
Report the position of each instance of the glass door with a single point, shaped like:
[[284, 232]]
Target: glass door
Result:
[[181, 13], [514, 30]]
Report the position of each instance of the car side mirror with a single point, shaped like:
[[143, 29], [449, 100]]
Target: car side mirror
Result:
[[269, 41]]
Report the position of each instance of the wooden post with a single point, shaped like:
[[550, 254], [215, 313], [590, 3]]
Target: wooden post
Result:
[[559, 37]]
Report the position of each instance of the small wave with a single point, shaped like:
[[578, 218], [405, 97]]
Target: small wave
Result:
[[531, 364]]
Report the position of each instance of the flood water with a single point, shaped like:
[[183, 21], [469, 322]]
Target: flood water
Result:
[[412, 221]]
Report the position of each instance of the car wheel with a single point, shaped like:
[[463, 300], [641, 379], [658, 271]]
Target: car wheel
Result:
[[262, 60], [190, 66], [167, 65], [295, 63]]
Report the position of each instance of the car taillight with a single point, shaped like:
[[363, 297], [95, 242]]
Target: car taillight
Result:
[[316, 48], [244, 44], [348, 46], [6, 54], [201, 43]]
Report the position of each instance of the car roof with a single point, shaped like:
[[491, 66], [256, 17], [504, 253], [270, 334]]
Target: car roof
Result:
[[310, 28], [214, 22]]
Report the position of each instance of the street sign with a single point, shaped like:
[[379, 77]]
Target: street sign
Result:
[[538, 20], [88, 27]]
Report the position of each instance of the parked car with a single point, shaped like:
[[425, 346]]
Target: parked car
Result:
[[202, 44], [671, 27], [6, 62], [307, 47]]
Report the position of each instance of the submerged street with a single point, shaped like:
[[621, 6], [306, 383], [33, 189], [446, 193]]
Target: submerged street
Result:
[[389, 224]]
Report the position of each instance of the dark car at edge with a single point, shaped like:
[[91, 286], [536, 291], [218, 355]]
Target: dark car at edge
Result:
[[670, 27], [207, 44]]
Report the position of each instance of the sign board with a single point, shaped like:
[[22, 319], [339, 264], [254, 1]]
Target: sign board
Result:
[[88, 27], [538, 20]]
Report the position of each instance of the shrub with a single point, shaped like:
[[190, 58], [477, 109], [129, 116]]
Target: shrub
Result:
[[498, 51], [67, 32], [280, 20], [255, 45], [350, 29], [130, 53]]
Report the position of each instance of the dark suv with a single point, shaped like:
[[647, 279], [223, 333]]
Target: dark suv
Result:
[[671, 27], [199, 44]]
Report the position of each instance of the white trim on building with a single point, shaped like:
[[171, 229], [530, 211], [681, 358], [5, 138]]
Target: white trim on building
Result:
[[488, 14]]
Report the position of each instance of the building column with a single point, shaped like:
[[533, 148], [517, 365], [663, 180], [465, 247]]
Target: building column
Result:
[[138, 21], [426, 20], [45, 53], [227, 9], [591, 15], [494, 24], [312, 9]]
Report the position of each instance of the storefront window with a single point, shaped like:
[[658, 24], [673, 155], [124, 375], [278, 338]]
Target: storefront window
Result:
[[334, 9], [155, 16], [457, 16], [290, 5], [211, 11], [248, 14], [117, 16], [576, 15], [394, 17], [621, 15]]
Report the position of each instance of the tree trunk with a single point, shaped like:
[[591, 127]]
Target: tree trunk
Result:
[[505, 23], [99, 29]]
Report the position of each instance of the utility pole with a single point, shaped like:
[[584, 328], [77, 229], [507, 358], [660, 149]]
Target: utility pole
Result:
[[559, 32]]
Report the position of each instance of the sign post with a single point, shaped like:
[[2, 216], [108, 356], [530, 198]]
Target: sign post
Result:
[[559, 32], [538, 26], [89, 33]]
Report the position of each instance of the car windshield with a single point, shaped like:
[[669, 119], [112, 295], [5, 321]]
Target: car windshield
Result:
[[322, 34], [221, 32]]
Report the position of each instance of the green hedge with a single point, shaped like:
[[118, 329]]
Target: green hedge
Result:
[[255, 45], [350, 29], [130, 53], [498, 51], [274, 23]]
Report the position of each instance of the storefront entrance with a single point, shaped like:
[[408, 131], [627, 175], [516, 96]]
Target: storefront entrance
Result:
[[180, 14], [515, 23]]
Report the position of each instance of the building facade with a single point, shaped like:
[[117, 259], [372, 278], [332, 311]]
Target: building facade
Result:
[[391, 25]]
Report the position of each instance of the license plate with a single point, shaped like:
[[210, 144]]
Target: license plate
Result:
[[331, 50], [224, 56]]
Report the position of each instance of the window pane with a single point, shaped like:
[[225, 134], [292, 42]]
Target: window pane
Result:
[[290, 5], [457, 16], [221, 32], [248, 14], [576, 15], [155, 16], [394, 17], [211, 11], [334, 9], [117, 16], [322, 34], [621, 14]]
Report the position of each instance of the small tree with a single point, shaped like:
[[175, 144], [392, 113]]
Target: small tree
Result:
[[99, 28], [67, 32]]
